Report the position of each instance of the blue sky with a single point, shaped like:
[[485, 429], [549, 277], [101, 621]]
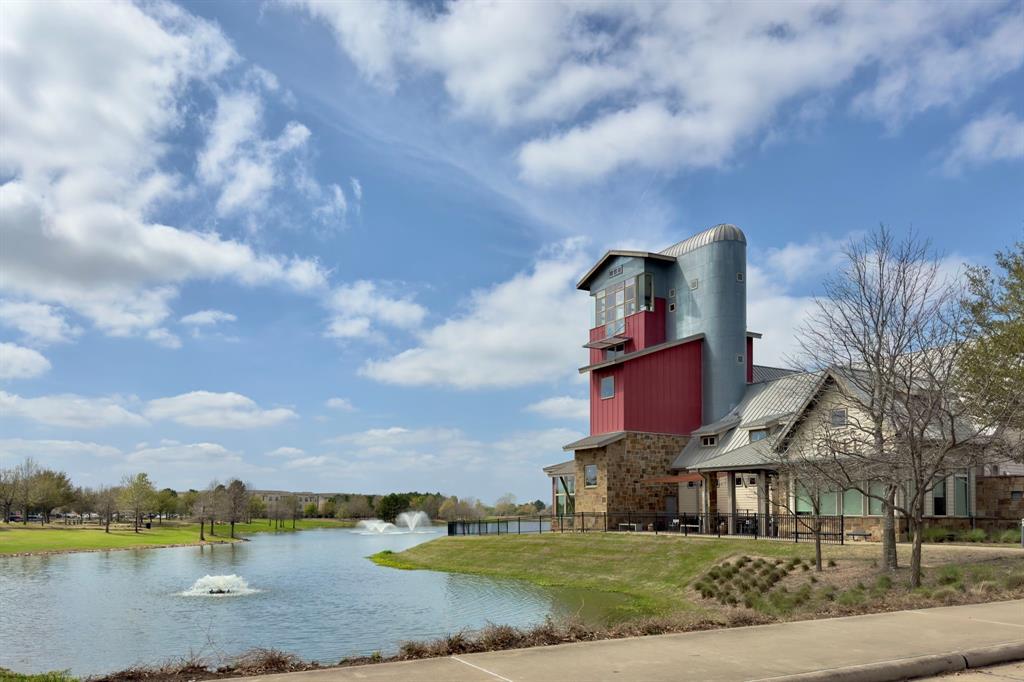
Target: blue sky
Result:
[[331, 246]]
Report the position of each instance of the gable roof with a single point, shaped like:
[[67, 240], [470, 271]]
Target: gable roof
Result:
[[764, 404], [585, 280], [764, 373]]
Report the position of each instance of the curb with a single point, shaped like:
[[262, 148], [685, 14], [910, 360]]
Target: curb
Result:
[[920, 666]]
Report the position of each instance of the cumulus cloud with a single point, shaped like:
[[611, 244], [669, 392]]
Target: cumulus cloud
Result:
[[18, 362], [216, 410], [70, 410], [523, 331], [207, 318], [561, 407], [286, 451], [340, 404], [995, 136], [16, 448], [76, 209], [39, 323], [598, 88], [356, 307]]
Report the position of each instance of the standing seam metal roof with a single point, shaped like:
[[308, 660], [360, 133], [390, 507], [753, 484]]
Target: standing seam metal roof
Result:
[[719, 233]]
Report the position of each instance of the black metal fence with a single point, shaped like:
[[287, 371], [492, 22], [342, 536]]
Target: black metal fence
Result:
[[785, 527]]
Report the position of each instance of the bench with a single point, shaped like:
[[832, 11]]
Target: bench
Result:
[[630, 526], [858, 534]]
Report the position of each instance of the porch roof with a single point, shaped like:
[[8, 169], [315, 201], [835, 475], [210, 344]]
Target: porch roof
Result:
[[596, 441], [751, 455], [561, 469], [675, 478]]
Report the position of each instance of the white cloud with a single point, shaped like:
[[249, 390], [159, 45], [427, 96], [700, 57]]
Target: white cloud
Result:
[[75, 210], [599, 88], [523, 331], [286, 451], [340, 404], [18, 362], [995, 136], [561, 407], [355, 307], [39, 323], [16, 448], [163, 337], [216, 410], [357, 188], [307, 462], [179, 453], [70, 410], [207, 318]]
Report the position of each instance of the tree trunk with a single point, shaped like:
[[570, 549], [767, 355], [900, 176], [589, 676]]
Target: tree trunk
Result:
[[232, 530], [817, 544], [889, 559], [202, 527], [106, 527], [213, 531], [917, 519]]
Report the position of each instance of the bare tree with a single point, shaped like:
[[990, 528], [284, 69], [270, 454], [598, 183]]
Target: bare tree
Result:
[[106, 504], [9, 482], [891, 331], [25, 488], [137, 495], [292, 508], [236, 503]]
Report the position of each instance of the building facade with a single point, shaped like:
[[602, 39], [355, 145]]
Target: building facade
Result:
[[683, 421]]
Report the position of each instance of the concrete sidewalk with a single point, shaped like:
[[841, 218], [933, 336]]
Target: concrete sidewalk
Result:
[[761, 652]]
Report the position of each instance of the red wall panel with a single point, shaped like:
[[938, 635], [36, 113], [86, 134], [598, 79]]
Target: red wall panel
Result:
[[660, 392]]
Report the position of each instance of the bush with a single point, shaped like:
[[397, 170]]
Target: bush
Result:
[[936, 534], [986, 587], [1011, 535], [973, 535], [883, 583], [831, 563], [1015, 581], [946, 595], [949, 575], [853, 597]]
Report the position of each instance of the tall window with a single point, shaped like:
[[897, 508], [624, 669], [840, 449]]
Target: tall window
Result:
[[877, 490], [590, 476], [939, 497], [565, 495], [960, 493], [853, 503], [607, 387], [617, 302]]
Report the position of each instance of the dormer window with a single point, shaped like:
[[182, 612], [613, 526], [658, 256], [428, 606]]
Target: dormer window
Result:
[[758, 434], [838, 418], [708, 441]]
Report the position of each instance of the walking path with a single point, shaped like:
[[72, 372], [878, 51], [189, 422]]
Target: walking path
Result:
[[886, 643]]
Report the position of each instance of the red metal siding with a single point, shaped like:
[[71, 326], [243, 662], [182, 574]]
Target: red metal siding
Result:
[[750, 359], [645, 328], [660, 392], [663, 390], [606, 414]]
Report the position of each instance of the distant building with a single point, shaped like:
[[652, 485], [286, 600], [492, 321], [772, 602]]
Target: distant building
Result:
[[272, 496], [683, 421]]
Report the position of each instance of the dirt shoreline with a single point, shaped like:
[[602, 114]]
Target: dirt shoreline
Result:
[[43, 552]]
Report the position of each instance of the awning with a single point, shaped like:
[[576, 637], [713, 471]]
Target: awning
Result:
[[608, 342], [598, 441], [676, 478], [561, 469]]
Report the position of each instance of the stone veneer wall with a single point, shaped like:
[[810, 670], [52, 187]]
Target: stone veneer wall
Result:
[[995, 499], [621, 469]]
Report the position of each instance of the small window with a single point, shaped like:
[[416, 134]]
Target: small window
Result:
[[671, 293], [708, 441], [740, 277], [739, 480], [838, 417], [752, 480], [590, 476], [689, 484], [607, 387], [671, 307], [694, 283], [739, 359], [614, 352], [758, 434], [1016, 495]]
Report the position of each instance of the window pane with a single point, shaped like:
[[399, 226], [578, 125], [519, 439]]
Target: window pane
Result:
[[853, 503], [630, 308], [648, 292], [838, 417], [875, 505], [960, 496], [590, 475], [607, 387], [758, 434], [803, 500], [828, 503], [939, 497], [620, 297]]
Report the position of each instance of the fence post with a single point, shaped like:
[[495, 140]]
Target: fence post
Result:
[[842, 529], [757, 524], [583, 522], [540, 526], [606, 522], [655, 523], [629, 520]]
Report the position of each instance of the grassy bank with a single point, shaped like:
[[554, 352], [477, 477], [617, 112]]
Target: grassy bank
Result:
[[664, 575], [33, 538]]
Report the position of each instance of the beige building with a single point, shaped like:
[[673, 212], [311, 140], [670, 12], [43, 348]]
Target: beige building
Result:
[[270, 497]]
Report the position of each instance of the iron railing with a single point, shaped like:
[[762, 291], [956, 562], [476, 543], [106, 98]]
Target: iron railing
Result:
[[786, 527]]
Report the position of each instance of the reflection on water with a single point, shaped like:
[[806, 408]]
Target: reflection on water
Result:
[[317, 596]]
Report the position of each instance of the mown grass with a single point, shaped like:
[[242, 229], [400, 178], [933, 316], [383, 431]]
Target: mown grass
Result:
[[651, 570], [665, 575], [9, 676], [19, 539]]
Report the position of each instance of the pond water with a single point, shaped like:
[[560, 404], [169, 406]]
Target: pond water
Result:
[[311, 593]]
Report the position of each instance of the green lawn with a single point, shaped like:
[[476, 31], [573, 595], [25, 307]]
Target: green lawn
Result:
[[17, 539], [655, 571]]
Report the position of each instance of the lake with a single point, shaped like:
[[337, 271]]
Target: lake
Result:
[[314, 594]]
